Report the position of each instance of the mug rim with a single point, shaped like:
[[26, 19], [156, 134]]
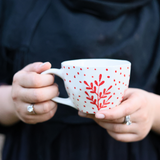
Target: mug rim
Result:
[[92, 62]]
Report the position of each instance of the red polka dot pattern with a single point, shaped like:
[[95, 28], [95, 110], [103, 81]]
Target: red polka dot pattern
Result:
[[92, 89]]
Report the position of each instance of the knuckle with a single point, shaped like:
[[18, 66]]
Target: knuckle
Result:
[[51, 113], [127, 111], [144, 117], [36, 80], [55, 89], [140, 98], [46, 107], [16, 77], [116, 128], [14, 96], [55, 105], [37, 96], [143, 101]]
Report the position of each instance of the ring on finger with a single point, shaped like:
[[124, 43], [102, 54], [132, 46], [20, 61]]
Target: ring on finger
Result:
[[30, 109], [127, 120]]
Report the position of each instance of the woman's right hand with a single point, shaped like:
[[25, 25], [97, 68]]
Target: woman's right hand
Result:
[[31, 87]]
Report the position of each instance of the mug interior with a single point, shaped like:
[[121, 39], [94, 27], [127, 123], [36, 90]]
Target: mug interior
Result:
[[95, 62]]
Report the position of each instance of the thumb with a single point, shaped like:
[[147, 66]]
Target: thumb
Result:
[[37, 67]]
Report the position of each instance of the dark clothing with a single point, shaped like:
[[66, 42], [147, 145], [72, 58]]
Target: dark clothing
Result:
[[58, 30]]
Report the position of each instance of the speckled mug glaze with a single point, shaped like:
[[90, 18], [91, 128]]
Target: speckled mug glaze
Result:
[[93, 84]]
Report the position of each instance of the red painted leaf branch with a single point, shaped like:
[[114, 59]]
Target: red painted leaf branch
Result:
[[95, 90]]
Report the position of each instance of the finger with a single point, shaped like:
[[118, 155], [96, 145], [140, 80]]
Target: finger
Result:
[[119, 128], [39, 94], [92, 116], [36, 118], [120, 120], [44, 107], [139, 116], [127, 137], [38, 67], [82, 114], [127, 107], [133, 118], [34, 80]]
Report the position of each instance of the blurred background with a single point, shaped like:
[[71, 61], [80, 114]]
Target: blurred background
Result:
[[1, 144]]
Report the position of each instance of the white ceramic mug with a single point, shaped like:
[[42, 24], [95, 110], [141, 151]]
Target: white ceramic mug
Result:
[[93, 84]]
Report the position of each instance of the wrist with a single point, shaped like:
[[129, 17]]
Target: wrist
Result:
[[156, 113], [8, 115]]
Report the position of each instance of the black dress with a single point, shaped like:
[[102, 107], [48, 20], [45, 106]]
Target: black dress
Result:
[[58, 30]]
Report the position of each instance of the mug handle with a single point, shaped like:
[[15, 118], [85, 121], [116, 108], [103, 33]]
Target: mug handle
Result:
[[59, 73]]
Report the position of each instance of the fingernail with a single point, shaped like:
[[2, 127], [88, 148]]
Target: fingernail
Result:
[[42, 64], [82, 114], [100, 116]]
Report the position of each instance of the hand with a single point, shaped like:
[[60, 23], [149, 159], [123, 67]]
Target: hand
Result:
[[140, 105], [30, 87]]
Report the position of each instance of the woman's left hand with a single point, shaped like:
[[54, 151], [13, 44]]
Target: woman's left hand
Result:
[[140, 105]]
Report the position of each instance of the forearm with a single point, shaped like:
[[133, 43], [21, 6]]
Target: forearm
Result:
[[7, 113]]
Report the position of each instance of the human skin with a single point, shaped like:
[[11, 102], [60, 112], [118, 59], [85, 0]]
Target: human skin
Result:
[[144, 110], [31, 87]]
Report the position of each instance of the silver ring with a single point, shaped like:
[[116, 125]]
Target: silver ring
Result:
[[127, 120], [30, 108]]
